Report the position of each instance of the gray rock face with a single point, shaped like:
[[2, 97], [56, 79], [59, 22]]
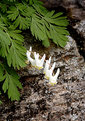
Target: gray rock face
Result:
[[82, 3], [43, 102], [75, 8], [55, 3], [80, 27]]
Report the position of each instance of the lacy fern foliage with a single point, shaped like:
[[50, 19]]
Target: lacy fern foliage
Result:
[[11, 81], [44, 25]]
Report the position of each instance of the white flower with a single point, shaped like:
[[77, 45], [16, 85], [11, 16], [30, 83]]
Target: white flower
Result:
[[46, 68], [36, 62], [28, 53], [32, 61], [39, 62], [48, 72], [53, 79]]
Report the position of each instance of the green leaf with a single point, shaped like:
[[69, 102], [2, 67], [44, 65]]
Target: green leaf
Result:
[[22, 22], [40, 9], [37, 2], [3, 7], [4, 43], [11, 47], [37, 28], [56, 19], [4, 21], [16, 55], [58, 37], [11, 0], [46, 43], [0, 100], [19, 14], [13, 13], [2, 77], [49, 26], [16, 34], [11, 83]]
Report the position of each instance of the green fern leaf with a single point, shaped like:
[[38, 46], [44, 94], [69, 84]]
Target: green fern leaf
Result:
[[11, 83], [3, 7], [17, 53], [4, 43], [40, 9], [18, 14], [13, 13], [2, 77], [58, 20], [22, 22], [4, 21], [58, 37], [46, 43], [11, 47], [12, 0], [49, 26], [15, 34], [0, 100], [37, 28]]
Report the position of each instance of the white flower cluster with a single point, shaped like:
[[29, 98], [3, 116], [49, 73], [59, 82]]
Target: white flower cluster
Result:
[[39, 63]]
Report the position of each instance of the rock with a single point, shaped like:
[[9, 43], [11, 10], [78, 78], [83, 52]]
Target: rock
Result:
[[51, 3], [72, 7], [56, 3], [43, 102], [82, 3], [76, 13], [80, 28]]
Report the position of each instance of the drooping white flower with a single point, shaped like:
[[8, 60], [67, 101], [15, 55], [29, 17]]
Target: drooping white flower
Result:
[[53, 78], [36, 62], [39, 62], [30, 59], [47, 70], [28, 53]]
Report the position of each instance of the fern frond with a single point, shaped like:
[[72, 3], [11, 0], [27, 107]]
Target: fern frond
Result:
[[13, 13], [12, 0], [3, 7], [45, 26], [11, 46], [4, 43], [2, 77], [40, 9], [18, 14], [3, 20], [17, 53], [11, 82], [22, 22], [0, 100]]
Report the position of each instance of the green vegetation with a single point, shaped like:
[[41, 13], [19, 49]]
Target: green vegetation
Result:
[[19, 15]]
